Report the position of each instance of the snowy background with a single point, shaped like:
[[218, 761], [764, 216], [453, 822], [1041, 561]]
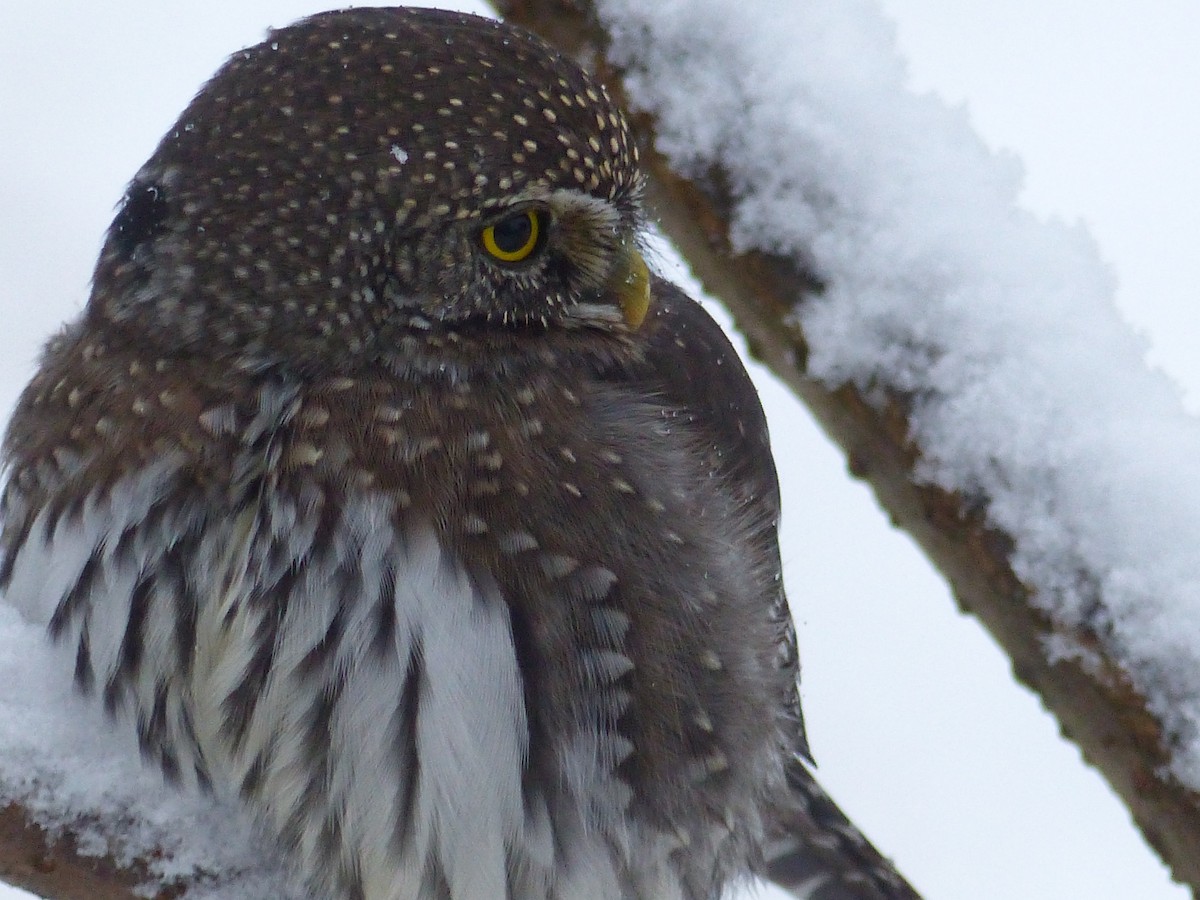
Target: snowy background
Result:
[[915, 721]]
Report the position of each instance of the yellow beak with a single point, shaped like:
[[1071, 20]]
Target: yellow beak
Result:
[[633, 289]]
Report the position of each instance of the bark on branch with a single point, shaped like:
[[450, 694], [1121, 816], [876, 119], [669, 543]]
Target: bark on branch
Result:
[[1095, 705], [51, 865]]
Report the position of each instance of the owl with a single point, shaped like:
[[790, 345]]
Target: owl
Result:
[[382, 486]]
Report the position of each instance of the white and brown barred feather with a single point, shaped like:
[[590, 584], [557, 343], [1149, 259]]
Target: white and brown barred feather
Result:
[[278, 621], [466, 591]]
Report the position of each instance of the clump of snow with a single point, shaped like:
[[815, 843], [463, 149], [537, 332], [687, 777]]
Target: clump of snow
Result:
[[65, 763], [1030, 392]]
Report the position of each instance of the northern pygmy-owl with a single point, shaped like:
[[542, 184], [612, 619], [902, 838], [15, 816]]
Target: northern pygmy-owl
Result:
[[381, 485]]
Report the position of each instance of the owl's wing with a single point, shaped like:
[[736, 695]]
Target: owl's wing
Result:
[[815, 851], [697, 368]]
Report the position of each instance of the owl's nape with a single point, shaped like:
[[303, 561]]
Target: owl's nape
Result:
[[383, 487]]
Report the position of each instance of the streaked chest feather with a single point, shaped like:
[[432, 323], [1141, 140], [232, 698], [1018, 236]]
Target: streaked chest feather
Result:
[[411, 652]]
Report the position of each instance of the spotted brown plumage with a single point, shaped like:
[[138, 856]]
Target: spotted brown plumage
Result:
[[380, 485]]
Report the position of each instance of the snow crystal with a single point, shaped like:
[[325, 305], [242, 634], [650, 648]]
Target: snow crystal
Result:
[[1028, 388]]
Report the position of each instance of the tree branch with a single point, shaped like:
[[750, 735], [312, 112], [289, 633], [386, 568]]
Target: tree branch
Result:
[[1094, 701], [51, 865]]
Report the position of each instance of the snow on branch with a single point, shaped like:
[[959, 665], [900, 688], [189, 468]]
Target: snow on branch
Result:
[[966, 356], [82, 819]]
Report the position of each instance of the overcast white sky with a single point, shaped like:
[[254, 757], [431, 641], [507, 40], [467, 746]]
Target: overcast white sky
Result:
[[915, 721]]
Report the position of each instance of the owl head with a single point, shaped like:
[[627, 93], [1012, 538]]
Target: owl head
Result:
[[372, 172]]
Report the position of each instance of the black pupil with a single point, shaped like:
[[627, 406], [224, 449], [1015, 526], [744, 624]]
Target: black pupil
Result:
[[512, 234]]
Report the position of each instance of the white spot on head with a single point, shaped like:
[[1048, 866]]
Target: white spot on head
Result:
[[492, 462]]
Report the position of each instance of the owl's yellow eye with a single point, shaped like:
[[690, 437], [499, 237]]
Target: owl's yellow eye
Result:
[[514, 238]]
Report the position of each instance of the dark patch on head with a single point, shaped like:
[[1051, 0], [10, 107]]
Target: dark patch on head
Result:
[[140, 218]]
